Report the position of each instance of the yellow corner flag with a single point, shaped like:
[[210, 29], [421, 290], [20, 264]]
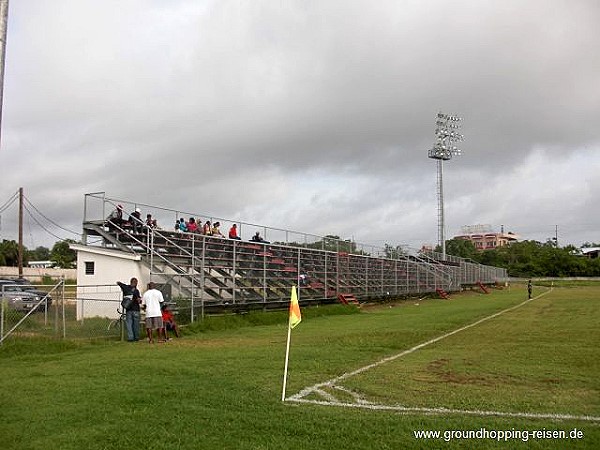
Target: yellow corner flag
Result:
[[295, 316]]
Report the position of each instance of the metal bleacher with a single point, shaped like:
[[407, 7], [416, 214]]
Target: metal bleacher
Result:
[[217, 272]]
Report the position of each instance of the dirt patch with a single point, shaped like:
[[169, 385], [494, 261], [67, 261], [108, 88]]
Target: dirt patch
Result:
[[442, 371]]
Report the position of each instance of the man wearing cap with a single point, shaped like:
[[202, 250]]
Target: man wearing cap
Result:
[[151, 302], [116, 217], [135, 219]]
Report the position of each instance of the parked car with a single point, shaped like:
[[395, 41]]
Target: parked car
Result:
[[18, 298], [26, 285]]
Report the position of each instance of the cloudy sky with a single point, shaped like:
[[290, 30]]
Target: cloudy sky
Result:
[[309, 115]]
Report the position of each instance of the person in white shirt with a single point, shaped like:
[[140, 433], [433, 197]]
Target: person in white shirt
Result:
[[151, 302]]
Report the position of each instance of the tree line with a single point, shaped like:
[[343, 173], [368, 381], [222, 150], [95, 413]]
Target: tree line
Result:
[[530, 258], [60, 254]]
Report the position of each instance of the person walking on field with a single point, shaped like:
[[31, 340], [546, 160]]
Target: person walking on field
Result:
[[529, 289], [131, 305], [152, 301]]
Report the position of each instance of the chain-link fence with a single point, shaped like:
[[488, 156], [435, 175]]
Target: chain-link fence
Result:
[[69, 311], [60, 310]]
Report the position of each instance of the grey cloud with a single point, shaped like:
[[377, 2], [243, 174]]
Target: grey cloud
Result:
[[207, 107]]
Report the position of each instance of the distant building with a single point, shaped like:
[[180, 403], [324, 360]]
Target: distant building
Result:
[[591, 252], [483, 238], [41, 264]]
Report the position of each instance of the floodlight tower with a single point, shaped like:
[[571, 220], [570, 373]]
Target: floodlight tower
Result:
[[447, 135]]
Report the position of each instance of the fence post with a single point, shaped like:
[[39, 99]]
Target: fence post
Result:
[[367, 276], [193, 276], [2, 302], [337, 270], [64, 320], [233, 270], [264, 251], [202, 277]]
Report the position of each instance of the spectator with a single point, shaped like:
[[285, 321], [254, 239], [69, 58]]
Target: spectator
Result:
[[182, 225], [131, 298], [258, 238], [233, 232], [169, 322], [206, 229], [135, 219], [150, 222], [216, 231], [192, 226], [116, 217], [151, 301], [303, 280]]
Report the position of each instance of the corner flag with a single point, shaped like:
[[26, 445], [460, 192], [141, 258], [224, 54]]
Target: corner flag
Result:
[[295, 317]]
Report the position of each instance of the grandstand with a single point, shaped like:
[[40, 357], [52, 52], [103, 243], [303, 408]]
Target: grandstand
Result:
[[215, 272]]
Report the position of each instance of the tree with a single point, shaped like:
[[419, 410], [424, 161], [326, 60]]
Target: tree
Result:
[[392, 252], [589, 245], [9, 253], [461, 248], [62, 255], [39, 254]]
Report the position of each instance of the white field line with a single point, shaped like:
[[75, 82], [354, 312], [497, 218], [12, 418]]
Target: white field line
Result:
[[432, 411], [332, 383]]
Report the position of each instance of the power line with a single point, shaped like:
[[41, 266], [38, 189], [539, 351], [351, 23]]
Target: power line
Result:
[[9, 202], [48, 219], [42, 226]]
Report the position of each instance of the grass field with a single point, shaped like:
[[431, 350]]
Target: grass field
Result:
[[220, 387]]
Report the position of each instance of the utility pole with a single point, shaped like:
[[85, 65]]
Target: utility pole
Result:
[[556, 235], [3, 33]]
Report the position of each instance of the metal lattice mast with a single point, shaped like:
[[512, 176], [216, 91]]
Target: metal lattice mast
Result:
[[440, 208], [443, 150]]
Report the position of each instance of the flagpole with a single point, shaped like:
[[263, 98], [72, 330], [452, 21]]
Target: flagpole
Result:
[[287, 356], [294, 319]]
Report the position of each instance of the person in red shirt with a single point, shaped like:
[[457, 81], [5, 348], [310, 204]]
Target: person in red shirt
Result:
[[192, 226], [169, 321], [233, 232]]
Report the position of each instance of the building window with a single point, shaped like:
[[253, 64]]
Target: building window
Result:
[[89, 267]]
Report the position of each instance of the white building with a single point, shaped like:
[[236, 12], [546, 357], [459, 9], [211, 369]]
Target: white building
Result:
[[98, 270]]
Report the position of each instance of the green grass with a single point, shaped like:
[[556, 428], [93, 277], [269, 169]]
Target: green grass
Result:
[[219, 387], [541, 358]]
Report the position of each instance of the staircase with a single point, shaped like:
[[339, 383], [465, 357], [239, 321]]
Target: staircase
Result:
[[348, 299], [483, 287], [442, 293]]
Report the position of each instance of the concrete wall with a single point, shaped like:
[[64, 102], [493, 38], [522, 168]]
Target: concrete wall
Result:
[[35, 274]]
